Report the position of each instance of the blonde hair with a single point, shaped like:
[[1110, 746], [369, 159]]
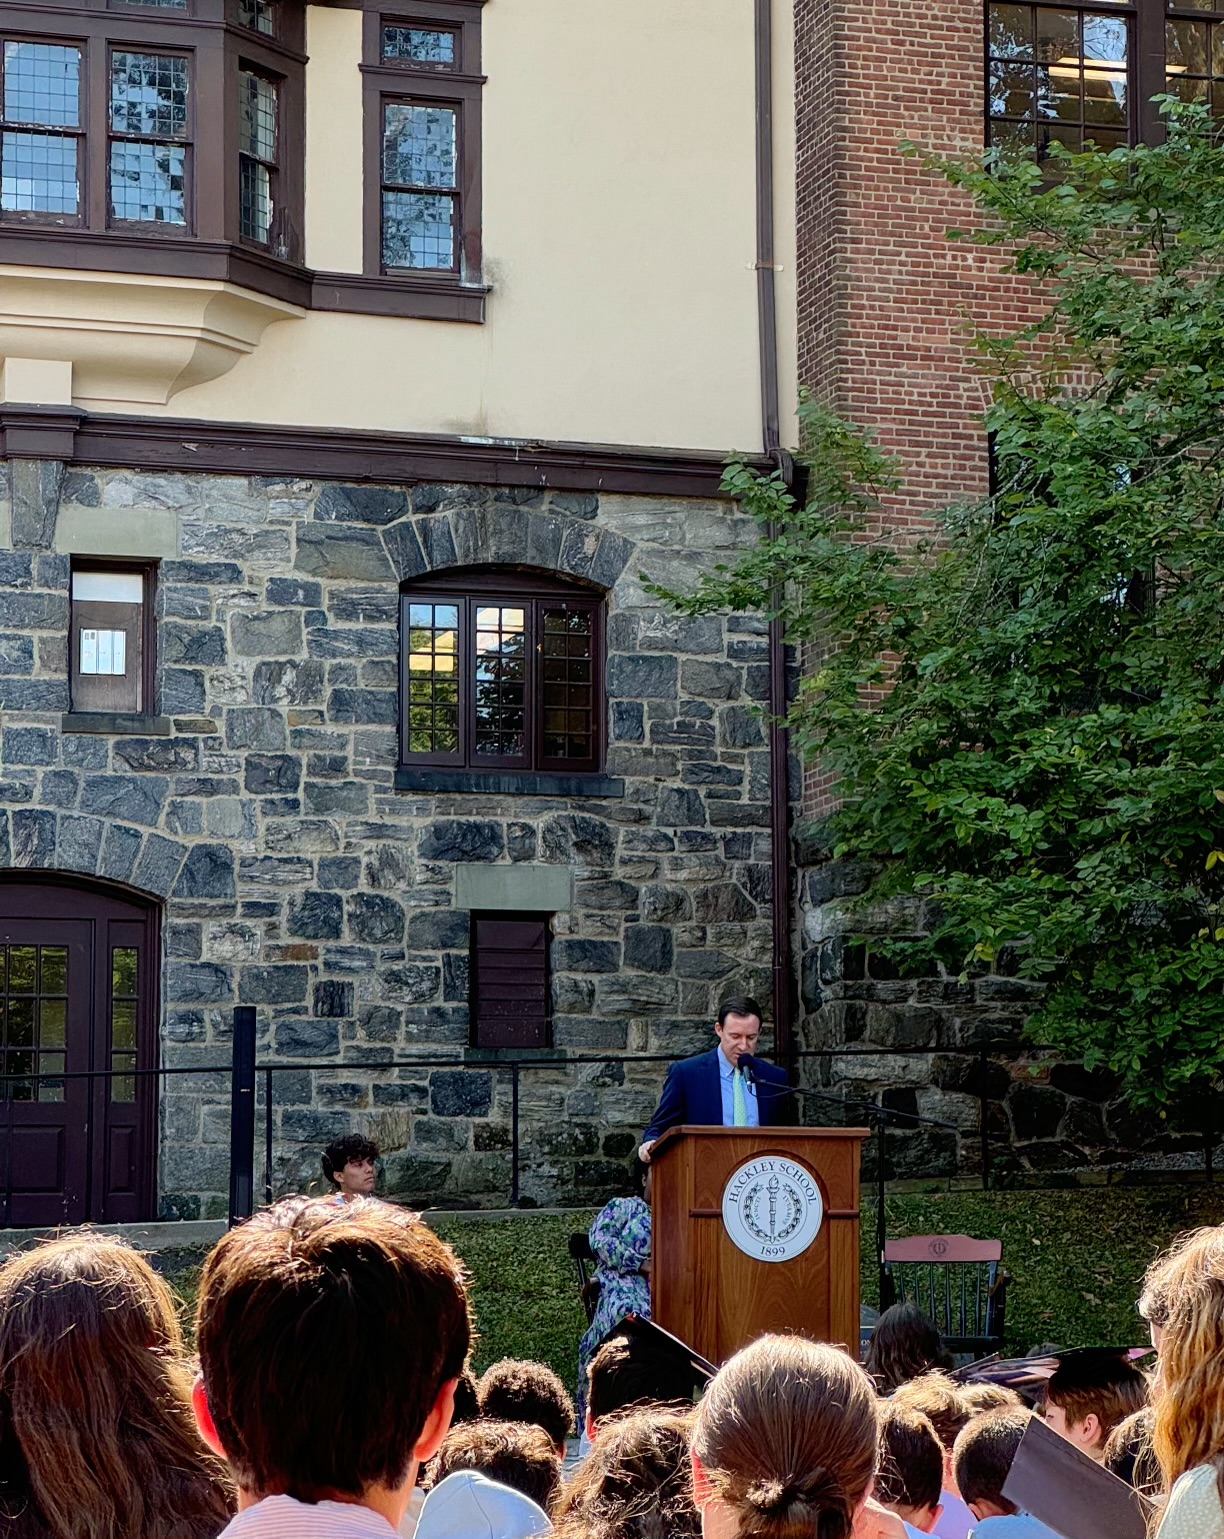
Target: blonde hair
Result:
[[1189, 1423], [1192, 1254], [787, 1434]]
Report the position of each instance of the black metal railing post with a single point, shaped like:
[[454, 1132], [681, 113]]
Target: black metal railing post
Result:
[[983, 1121], [242, 1116], [514, 1136], [268, 1137]]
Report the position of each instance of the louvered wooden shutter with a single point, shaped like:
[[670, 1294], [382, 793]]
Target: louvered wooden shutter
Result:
[[510, 986]]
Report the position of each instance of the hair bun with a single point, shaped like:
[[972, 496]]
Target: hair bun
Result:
[[818, 1490], [772, 1496]]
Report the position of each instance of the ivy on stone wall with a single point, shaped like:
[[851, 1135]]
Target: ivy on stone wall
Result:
[[1024, 708]]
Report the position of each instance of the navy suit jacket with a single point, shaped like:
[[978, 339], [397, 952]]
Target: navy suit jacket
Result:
[[692, 1095]]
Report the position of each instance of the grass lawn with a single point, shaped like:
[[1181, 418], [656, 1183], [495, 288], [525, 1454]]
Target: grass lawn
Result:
[[1076, 1259]]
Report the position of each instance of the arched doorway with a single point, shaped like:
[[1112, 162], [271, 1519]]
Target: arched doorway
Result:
[[78, 995]]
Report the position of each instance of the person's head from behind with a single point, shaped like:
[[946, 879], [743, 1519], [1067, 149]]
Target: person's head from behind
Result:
[[626, 1372], [1130, 1456], [941, 1401], [739, 1027], [982, 1458], [784, 1444], [904, 1344], [349, 1165], [636, 1483], [513, 1453], [909, 1480], [1088, 1396], [981, 1398], [1192, 1255], [1189, 1424], [97, 1432], [517, 1390], [330, 1339]]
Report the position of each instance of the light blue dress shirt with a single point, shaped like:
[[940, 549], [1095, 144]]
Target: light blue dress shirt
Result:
[[726, 1085]]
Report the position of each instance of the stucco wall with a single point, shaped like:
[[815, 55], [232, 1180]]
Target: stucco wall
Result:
[[619, 240]]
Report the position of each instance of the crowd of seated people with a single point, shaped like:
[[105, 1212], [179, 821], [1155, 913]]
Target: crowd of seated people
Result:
[[332, 1399]]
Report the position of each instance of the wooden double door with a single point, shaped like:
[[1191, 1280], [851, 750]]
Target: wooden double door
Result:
[[78, 995]]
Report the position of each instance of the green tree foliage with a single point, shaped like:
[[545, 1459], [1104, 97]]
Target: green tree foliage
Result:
[[1026, 711]]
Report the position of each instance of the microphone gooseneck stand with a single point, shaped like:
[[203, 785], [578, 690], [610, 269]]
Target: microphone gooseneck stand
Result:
[[879, 1118]]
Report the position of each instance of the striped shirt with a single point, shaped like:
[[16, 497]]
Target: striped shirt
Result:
[[284, 1517]]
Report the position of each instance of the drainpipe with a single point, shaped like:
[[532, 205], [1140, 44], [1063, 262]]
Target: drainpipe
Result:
[[779, 738]]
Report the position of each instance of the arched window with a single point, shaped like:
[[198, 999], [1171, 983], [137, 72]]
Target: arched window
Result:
[[502, 671]]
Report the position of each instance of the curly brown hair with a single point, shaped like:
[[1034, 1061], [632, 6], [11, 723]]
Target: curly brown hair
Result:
[[635, 1483], [513, 1453], [516, 1389]]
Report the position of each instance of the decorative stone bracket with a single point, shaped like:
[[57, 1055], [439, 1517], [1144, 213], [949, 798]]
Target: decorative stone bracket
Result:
[[127, 339]]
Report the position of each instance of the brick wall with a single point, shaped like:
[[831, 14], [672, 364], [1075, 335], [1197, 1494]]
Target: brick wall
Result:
[[884, 297]]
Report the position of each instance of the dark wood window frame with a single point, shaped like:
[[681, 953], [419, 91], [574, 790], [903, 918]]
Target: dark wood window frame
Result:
[[208, 246], [534, 772], [147, 571], [460, 293], [211, 246], [533, 1029], [1146, 73]]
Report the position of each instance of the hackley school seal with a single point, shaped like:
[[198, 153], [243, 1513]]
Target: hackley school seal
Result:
[[772, 1208]]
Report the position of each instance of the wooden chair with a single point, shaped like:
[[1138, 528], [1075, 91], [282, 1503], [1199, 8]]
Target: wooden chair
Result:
[[588, 1286], [960, 1283]]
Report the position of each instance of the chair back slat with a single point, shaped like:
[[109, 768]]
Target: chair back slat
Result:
[[941, 1248], [968, 1307]]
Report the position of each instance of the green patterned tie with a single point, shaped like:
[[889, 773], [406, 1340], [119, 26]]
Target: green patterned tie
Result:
[[739, 1104]]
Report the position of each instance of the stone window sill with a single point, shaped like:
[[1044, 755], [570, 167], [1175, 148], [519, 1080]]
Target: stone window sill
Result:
[[478, 1057], [429, 778], [111, 724]]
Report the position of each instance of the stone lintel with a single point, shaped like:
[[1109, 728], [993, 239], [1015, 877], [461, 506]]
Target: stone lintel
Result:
[[525, 888], [147, 533]]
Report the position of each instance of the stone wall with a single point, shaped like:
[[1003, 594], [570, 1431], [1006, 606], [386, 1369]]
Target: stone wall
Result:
[[296, 879], [945, 1045]]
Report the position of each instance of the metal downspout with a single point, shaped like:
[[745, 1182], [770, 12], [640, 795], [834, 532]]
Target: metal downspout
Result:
[[779, 738]]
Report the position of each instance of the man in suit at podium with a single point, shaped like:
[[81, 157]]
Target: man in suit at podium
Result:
[[715, 1089]]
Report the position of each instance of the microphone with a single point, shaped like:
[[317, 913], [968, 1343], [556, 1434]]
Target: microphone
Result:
[[747, 1063]]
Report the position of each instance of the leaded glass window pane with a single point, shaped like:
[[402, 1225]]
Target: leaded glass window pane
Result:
[[149, 95], [42, 85], [257, 136], [418, 230], [426, 47], [419, 146], [39, 144], [148, 164], [419, 172], [259, 15], [148, 183]]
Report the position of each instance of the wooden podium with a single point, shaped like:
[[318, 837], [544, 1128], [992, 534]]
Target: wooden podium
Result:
[[709, 1291]]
